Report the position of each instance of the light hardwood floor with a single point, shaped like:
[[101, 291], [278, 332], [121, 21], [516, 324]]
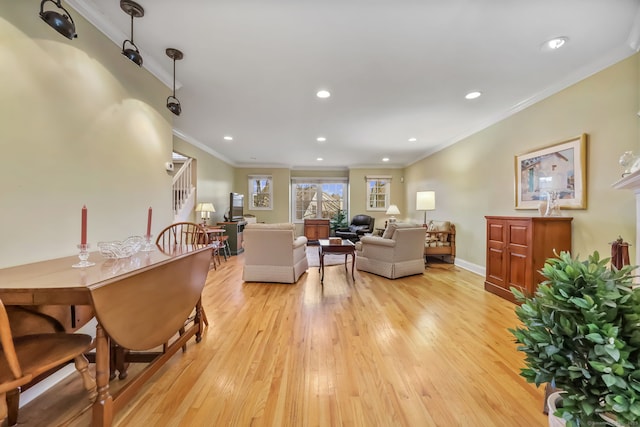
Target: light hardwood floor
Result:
[[427, 350]]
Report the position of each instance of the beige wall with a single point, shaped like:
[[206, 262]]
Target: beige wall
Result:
[[215, 179], [476, 176], [81, 125], [281, 189]]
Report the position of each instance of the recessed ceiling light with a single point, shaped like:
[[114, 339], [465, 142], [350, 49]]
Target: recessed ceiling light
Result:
[[412, 139], [228, 138], [321, 139], [385, 159], [473, 95], [323, 94], [554, 44], [319, 159]]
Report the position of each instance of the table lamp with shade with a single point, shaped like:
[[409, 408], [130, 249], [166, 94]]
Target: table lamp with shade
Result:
[[205, 210], [393, 210], [425, 201]]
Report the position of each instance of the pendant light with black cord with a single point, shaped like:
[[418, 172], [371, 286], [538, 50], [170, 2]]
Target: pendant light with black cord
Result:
[[173, 104], [62, 23], [134, 10]]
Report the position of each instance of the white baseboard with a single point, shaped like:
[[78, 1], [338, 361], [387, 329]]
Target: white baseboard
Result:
[[474, 268]]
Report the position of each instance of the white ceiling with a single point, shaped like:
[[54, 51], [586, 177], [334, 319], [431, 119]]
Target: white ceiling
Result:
[[396, 69]]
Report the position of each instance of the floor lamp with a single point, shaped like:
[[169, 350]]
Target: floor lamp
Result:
[[425, 201]]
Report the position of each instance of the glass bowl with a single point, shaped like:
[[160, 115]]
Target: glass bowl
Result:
[[121, 249]]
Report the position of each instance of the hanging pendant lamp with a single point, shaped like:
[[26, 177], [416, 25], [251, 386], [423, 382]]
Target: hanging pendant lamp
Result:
[[134, 10], [173, 104], [62, 23]]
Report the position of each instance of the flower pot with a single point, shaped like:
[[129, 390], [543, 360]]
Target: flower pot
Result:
[[553, 402]]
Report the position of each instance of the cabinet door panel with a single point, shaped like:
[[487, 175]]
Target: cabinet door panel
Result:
[[518, 269], [496, 266]]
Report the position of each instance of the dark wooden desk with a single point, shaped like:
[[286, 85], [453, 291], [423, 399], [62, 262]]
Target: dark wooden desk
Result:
[[139, 302], [346, 247]]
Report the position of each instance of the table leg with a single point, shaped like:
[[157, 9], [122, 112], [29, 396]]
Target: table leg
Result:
[[353, 263], [321, 266], [103, 406]]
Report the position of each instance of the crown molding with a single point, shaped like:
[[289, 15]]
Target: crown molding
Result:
[[191, 140]]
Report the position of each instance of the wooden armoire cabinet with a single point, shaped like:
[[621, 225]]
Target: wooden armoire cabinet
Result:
[[517, 248], [315, 229]]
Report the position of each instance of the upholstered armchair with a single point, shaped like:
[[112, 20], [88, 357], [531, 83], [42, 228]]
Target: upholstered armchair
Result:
[[272, 253], [397, 253], [360, 225]]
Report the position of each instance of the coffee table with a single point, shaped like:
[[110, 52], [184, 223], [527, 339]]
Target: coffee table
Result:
[[346, 247]]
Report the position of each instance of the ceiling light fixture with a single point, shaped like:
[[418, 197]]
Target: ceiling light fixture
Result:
[[385, 159], [319, 159], [134, 10], [172, 102], [62, 23], [412, 139], [228, 138], [321, 139], [323, 94], [473, 95], [554, 44]]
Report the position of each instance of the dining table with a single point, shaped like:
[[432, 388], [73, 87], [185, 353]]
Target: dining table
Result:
[[142, 303]]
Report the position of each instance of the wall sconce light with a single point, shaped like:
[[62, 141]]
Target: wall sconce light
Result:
[[173, 104], [134, 10], [62, 23], [205, 210], [425, 201]]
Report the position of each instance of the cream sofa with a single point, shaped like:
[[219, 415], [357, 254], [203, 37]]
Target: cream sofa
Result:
[[272, 253], [397, 253]]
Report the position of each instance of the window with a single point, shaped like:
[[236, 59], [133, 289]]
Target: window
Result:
[[318, 197], [378, 192], [260, 192]]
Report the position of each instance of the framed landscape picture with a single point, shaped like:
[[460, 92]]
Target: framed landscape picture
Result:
[[559, 168]]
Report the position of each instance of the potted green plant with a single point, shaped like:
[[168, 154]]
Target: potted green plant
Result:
[[581, 331], [337, 221]]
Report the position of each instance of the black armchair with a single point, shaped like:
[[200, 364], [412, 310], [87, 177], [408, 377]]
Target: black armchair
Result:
[[360, 225]]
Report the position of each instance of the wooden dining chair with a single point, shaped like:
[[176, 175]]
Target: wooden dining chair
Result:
[[185, 233], [24, 358]]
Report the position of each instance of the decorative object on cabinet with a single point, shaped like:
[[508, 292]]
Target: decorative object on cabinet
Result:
[[62, 23], [517, 248], [134, 10], [561, 168], [425, 201], [173, 104], [579, 333], [630, 162], [440, 240]]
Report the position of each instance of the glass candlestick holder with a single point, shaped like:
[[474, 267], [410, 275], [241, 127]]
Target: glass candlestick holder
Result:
[[84, 257], [148, 245]]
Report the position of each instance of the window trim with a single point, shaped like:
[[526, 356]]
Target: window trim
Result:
[[250, 182], [387, 195], [318, 181]]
